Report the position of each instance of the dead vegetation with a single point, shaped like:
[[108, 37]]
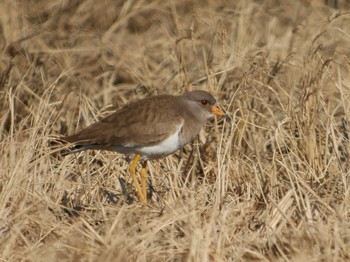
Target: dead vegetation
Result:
[[271, 184]]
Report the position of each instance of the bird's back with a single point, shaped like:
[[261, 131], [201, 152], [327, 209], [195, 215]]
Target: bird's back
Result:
[[140, 123]]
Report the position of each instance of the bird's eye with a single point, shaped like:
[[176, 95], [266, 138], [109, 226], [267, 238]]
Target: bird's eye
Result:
[[204, 102]]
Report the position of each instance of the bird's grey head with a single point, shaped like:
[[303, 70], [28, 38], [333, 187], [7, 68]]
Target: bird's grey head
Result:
[[201, 104]]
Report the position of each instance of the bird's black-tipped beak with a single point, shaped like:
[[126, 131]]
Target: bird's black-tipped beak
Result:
[[217, 111]]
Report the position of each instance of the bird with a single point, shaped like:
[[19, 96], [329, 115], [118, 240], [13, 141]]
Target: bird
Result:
[[148, 129]]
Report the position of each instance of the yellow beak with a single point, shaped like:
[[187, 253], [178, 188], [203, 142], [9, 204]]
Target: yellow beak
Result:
[[217, 111]]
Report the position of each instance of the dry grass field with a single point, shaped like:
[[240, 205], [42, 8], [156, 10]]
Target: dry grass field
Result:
[[271, 184]]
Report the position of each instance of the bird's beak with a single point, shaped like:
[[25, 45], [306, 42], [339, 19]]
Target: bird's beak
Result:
[[217, 111]]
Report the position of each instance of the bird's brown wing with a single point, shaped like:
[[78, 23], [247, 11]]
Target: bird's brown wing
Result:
[[143, 123]]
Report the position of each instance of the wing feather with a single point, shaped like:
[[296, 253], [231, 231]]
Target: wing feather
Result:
[[142, 123]]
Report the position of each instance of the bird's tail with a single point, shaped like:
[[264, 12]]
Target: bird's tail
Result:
[[63, 147]]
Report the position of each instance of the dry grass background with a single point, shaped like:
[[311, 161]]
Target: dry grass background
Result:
[[272, 184]]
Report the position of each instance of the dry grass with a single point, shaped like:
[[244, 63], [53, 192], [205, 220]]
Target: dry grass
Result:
[[272, 184]]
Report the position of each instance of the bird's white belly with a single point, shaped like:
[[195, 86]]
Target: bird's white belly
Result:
[[166, 147]]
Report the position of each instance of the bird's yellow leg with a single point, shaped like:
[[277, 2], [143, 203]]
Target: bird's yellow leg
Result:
[[143, 175], [136, 183]]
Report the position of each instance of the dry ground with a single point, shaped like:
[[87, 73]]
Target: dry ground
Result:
[[271, 184]]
